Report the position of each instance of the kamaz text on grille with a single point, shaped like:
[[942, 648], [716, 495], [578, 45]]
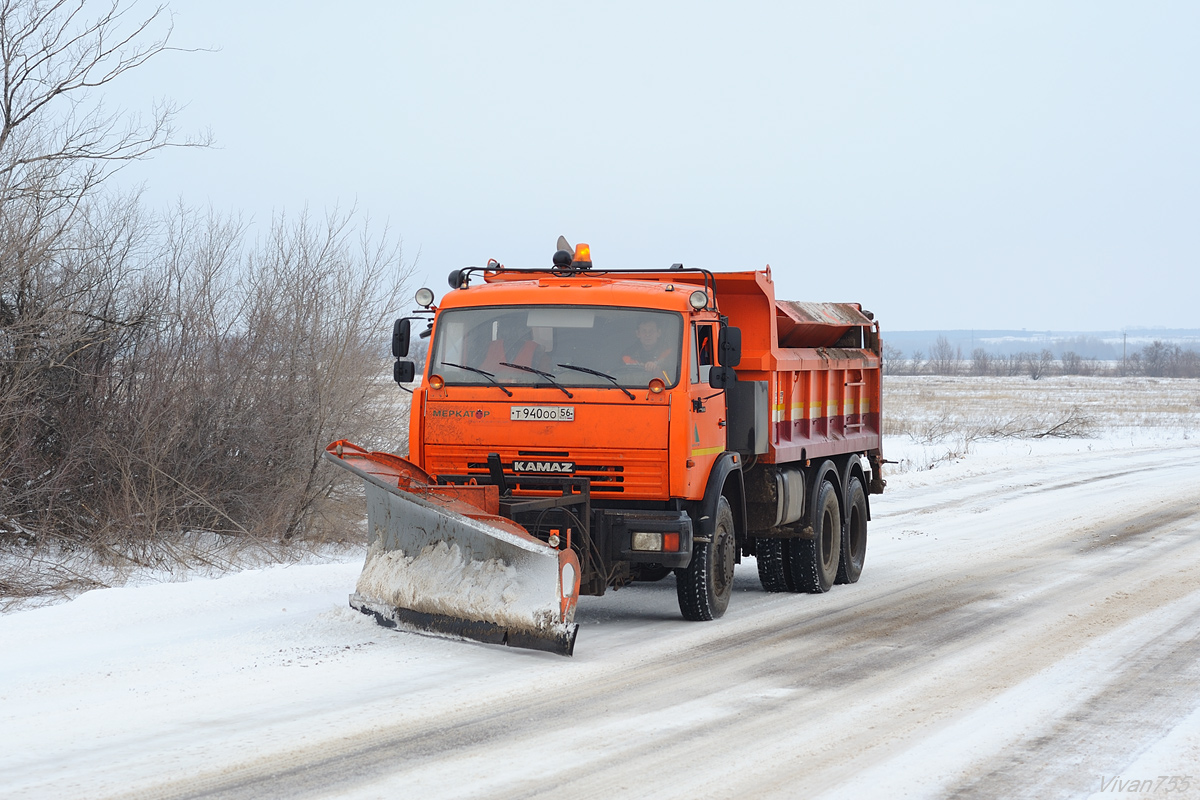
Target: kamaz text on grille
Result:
[[544, 466]]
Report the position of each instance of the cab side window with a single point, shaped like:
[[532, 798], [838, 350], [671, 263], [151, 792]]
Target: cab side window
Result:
[[703, 347]]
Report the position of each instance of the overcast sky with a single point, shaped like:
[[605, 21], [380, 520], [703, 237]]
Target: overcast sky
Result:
[[948, 165]]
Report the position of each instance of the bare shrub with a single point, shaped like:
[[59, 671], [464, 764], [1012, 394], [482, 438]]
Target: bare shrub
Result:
[[916, 364], [1072, 363], [263, 363], [944, 358], [166, 385], [1163, 360], [1072, 424], [1036, 365], [1010, 365], [160, 381], [892, 359], [981, 362]]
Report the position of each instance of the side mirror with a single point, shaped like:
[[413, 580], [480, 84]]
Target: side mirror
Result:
[[729, 346], [400, 334], [404, 372], [721, 377]]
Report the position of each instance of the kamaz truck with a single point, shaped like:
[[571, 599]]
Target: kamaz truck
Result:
[[577, 429]]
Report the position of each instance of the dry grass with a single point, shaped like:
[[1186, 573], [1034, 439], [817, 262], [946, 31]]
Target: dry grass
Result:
[[916, 404], [947, 416]]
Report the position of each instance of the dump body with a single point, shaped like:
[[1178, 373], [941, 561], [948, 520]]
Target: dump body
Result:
[[821, 362], [616, 416]]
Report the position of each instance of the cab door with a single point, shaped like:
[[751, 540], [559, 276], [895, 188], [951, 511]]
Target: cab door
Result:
[[706, 417]]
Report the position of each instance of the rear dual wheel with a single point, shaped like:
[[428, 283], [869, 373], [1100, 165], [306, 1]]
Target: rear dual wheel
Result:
[[773, 556], [854, 537], [805, 565], [814, 562]]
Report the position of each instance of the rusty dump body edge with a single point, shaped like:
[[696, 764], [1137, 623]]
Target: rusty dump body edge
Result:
[[440, 560]]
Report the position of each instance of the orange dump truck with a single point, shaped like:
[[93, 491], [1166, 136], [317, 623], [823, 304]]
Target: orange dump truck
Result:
[[579, 429]]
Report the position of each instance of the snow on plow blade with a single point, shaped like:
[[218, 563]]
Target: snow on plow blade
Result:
[[442, 560]]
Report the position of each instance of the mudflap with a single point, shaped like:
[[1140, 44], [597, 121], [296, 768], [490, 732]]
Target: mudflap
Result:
[[441, 560]]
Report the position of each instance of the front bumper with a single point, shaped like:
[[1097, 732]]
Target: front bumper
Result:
[[620, 526]]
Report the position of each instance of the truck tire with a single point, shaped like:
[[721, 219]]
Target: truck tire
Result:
[[705, 585], [814, 562], [854, 537], [772, 556]]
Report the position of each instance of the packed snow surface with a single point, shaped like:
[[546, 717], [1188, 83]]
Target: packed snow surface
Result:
[[440, 580], [1027, 625]]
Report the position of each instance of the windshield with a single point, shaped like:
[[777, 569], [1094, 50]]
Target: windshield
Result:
[[575, 345]]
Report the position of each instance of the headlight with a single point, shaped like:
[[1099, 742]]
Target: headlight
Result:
[[647, 541]]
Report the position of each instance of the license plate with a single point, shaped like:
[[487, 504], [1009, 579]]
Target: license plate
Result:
[[542, 414]]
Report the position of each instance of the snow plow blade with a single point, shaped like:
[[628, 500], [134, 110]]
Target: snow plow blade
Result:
[[442, 560]]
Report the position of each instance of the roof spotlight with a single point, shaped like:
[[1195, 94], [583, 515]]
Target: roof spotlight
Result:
[[424, 297], [698, 299]]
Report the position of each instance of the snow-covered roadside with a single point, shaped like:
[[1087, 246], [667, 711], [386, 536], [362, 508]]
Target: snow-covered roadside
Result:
[[131, 688], [207, 669]]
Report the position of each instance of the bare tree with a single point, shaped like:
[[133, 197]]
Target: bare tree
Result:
[[73, 291], [944, 358], [916, 364], [1165, 360], [161, 377], [893, 359], [981, 362], [1072, 363], [167, 380], [57, 141], [1038, 365], [262, 359]]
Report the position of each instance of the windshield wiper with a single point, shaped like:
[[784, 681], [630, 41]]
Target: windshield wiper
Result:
[[487, 375], [545, 375], [599, 374]]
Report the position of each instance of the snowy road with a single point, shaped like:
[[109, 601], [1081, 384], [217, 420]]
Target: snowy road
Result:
[[1028, 625]]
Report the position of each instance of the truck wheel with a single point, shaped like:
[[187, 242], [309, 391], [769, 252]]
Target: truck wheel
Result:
[[773, 573], [854, 537], [814, 562], [706, 584]]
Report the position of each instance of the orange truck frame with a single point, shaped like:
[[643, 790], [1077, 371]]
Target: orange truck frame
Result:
[[747, 426]]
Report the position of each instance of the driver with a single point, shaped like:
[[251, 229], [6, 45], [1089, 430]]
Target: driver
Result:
[[649, 351]]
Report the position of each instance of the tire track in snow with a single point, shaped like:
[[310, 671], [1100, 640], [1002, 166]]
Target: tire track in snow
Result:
[[1146, 696], [975, 489]]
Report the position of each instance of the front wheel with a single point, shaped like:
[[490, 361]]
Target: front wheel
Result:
[[705, 585]]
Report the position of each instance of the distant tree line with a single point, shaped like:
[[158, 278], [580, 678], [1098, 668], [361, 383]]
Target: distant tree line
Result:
[[1158, 360], [163, 373]]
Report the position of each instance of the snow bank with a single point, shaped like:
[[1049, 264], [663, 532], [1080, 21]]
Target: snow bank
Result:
[[441, 580]]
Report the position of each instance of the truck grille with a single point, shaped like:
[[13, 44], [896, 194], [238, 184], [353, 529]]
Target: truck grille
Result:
[[613, 473]]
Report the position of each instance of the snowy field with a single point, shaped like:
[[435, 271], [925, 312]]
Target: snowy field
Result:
[[1027, 625]]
